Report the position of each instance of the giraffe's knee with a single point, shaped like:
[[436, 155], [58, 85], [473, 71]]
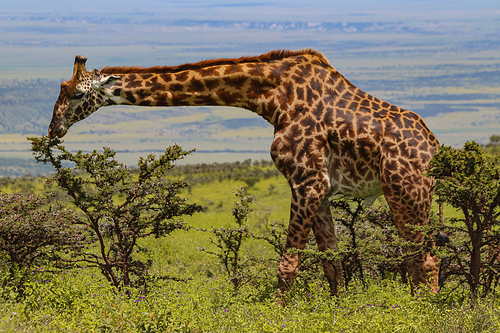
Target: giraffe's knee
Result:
[[430, 264], [424, 270], [289, 266]]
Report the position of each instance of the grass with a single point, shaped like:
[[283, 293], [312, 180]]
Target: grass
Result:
[[82, 302]]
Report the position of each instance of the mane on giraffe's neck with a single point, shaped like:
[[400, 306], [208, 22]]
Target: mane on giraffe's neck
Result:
[[273, 55]]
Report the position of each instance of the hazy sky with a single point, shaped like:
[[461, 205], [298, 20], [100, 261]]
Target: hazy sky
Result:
[[258, 9]]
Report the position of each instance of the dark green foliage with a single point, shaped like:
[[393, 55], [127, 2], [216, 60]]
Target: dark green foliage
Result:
[[369, 244], [34, 231], [348, 217], [119, 207], [469, 180], [367, 240], [382, 251], [494, 140]]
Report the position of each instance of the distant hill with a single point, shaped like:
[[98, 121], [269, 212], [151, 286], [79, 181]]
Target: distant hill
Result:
[[26, 106], [18, 167]]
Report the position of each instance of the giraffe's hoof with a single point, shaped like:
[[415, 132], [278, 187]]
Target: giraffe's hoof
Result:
[[280, 298]]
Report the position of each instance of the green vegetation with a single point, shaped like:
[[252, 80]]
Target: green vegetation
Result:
[[81, 302], [493, 146], [31, 234], [469, 180], [233, 290], [229, 243], [119, 209]]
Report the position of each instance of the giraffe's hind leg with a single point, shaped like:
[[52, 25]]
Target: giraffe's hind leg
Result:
[[409, 197], [324, 232]]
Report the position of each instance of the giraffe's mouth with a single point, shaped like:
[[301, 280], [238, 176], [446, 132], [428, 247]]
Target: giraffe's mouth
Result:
[[56, 133]]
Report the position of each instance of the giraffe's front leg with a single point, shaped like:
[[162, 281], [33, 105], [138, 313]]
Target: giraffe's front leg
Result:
[[304, 206]]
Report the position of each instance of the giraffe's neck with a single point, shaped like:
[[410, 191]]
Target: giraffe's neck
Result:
[[246, 86]]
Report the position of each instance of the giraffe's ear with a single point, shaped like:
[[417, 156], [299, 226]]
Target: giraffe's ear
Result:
[[105, 81]]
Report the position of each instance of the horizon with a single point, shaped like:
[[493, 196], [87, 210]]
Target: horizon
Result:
[[440, 59]]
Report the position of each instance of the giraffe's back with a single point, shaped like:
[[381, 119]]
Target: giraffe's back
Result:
[[368, 137]]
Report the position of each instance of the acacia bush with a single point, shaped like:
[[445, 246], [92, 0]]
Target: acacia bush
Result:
[[119, 207], [34, 231], [229, 242], [469, 180], [367, 238]]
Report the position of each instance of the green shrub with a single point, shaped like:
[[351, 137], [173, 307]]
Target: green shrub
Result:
[[119, 208], [469, 180], [33, 232]]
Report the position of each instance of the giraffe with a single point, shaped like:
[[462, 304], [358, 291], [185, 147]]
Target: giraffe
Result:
[[330, 138]]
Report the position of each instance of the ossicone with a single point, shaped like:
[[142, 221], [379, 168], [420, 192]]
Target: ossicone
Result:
[[79, 68]]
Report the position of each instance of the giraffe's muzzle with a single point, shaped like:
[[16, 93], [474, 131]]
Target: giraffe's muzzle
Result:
[[56, 132]]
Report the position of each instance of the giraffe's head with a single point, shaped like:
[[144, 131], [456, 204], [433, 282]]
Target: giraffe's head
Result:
[[81, 96]]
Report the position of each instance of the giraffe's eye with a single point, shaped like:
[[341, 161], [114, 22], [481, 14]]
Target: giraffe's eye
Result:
[[78, 95]]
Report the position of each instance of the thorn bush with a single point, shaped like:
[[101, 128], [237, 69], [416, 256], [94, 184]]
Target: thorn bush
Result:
[[119, 206]]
